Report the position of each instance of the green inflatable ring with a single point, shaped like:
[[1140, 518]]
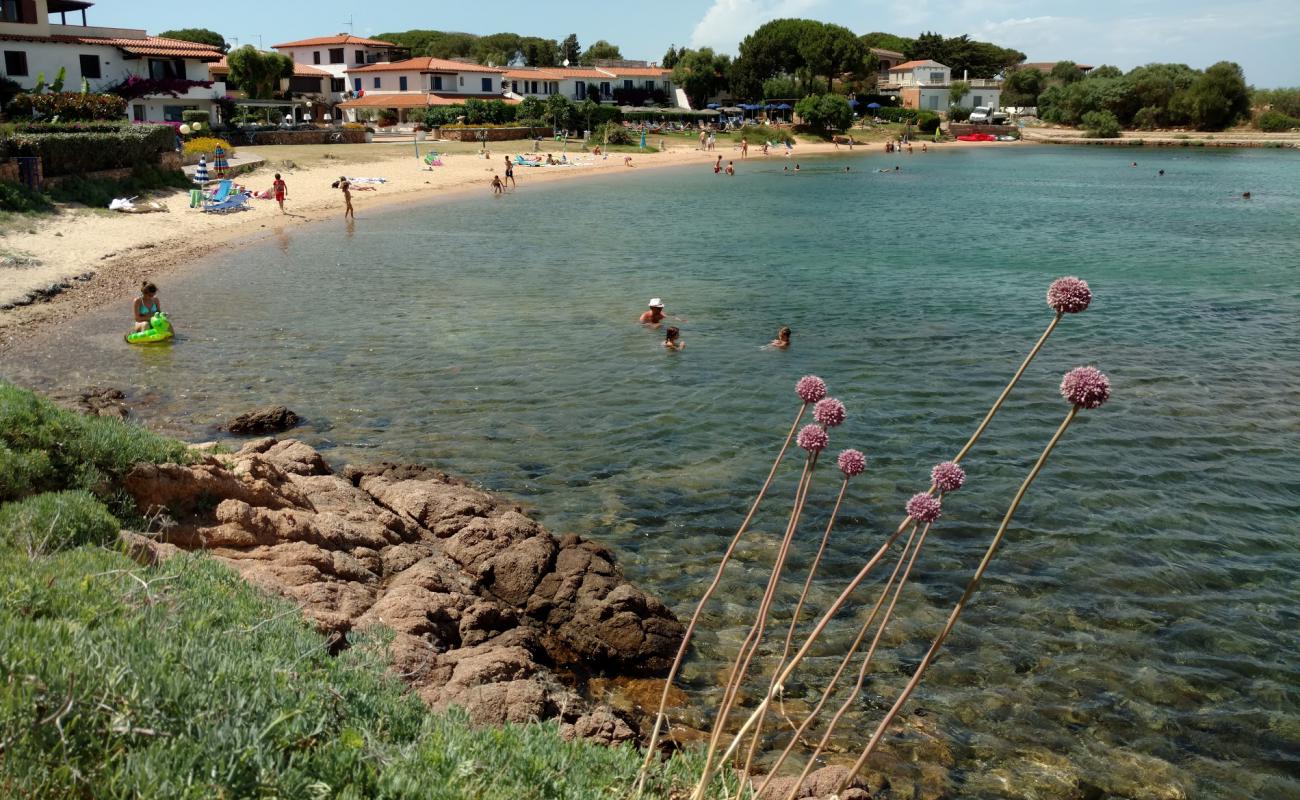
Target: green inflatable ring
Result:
[[160, 330]]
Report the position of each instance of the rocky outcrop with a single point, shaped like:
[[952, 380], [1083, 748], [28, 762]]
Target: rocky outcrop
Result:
[[483, 601], [271, 419]]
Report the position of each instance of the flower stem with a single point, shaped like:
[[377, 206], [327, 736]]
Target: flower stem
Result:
[[961, 602], [699, 608]]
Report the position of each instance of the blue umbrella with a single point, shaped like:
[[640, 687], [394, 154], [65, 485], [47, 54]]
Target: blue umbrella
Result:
[[784, 107], [712, 105], [873, 105], [853, 103]]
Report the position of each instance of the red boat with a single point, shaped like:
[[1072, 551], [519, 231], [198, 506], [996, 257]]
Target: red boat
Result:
[[977, 137]]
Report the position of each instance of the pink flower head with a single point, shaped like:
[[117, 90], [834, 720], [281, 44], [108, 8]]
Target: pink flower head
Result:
[[1069, 295], [924, 508], [810, 388], [829, 412], [947, 477], [813, 438], [852, 462], [1086, 387]]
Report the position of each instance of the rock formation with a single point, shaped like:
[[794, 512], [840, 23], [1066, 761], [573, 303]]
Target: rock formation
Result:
[[271, 419], [483, 600]]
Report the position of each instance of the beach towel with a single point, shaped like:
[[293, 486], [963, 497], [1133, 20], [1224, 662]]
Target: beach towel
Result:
[[368, 180]]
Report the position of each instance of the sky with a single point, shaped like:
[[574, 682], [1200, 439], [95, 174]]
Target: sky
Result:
[[1261, 35]]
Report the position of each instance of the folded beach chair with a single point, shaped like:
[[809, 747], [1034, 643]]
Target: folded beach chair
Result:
[[236, 202], [220, 195]]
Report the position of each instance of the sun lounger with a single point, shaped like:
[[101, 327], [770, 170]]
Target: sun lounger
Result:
[[236, 202], [221, 195]]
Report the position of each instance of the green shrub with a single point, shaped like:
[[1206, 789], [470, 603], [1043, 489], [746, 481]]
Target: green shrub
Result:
[[958, 114], [895, 114], [99, 192], [69, 106], [826, 112], [17, 197], [193, 115], [757, 134], [1276, 122], [1100, 125], [72, 153], [927, 122], [611, 133], [46, 523], [23, 472]]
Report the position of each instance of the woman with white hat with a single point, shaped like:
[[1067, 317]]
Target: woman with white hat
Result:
[[656, 313]]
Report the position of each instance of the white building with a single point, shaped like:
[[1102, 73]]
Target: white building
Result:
[[420, 83], [330, 57], [574, 82], [35, 45], [927, 85]]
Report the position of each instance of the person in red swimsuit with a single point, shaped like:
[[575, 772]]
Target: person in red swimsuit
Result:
[[280, 190]]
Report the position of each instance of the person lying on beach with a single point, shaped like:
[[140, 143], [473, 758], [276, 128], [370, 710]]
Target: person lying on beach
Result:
[[782, 340], [655, 314], [145, 306], [672, 339]]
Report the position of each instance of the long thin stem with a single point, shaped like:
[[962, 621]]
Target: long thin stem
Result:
[[759, 627], [699, 607], [794, 624], [844, 664], [865, 668], [961, 603]]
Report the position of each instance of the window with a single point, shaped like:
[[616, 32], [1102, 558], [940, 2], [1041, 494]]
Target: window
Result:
[[15, 63], [356, 84], [650, 86], [604, 88], [487, 84], [437, 83], [304, 85], [315, 57], [462, 79], [936, 77], [338, 85], [173, 113], [581, 91], [361, 56], [378, 82], [627, 84], [401, 82], [977, 101], [934, 101], [12, 11], [336, 55], [137, 113], [90, 67], [165, 69]]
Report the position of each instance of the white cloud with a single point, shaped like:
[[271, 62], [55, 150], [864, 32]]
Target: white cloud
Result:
[[728, 21]]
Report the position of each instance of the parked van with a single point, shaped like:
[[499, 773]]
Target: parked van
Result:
[[987, 115]]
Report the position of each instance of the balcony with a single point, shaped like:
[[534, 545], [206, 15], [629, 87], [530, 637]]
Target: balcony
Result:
[[98, 32]]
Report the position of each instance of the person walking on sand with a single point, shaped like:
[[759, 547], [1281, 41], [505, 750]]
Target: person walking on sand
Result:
[[673, 339], [655, 314], [345, 186], [281, 191], [782, 340], [510, 173]]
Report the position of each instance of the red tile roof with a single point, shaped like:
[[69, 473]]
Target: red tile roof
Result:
[[535, 74], [636, 72], [155, 46], [299, 70], [908, 65], [425, 64], [342, 38], [417, 100]]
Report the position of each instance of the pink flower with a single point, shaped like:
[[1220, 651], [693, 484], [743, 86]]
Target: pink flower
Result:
[[924, 508], [829, 412], [852, 462], [813, 438], [947, 477], [810, 388], [1086, 387], [1069, 295]]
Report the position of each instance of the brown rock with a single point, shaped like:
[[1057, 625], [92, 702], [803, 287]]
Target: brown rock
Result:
[[602, 726], [517, 570], [147, 551], [269, 419], [823, 783]]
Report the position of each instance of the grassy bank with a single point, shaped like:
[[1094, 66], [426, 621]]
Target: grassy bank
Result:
[[181, 680]]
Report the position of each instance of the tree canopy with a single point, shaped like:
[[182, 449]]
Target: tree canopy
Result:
[[964, 55], [794, 47], [570, 50], [199, 35], [501, 49], [700, 73], [601, 49], [1151, 96], [258, 73]]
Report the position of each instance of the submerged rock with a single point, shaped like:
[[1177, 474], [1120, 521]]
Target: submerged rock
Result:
[[271, 419], [482, 599]]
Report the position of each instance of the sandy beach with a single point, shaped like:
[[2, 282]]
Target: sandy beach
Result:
[[101, 256]]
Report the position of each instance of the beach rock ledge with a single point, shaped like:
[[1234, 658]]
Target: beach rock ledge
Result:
[[484, 600]]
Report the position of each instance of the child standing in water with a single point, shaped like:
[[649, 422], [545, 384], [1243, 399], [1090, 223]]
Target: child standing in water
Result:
[[673, 340]]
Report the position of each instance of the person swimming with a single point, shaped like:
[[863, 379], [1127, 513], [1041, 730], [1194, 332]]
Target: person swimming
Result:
[[655, 314], [782, 340], [673, 340], [145, 306]]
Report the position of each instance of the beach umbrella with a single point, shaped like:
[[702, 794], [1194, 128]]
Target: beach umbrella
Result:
[[853, 103], [873, 105], [219, 165], [712, 105], [201, 172]]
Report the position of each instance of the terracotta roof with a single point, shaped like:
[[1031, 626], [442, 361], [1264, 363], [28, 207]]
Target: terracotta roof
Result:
[[425, 64], [908, 65], [535, 74], [636, 72], [417, 100], [148, 46], [342, 38], [299, 70]]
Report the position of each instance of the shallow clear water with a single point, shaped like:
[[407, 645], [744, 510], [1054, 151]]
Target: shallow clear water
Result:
[[1145, 600]]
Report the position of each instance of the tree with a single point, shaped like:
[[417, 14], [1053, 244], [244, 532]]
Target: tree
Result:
[[956, 91], [198, 35], [439, 44], [258, 73], [701, 74], [784, 87], [827, 112], [1066, 72], [929, 46], [1106, 71], [792, 47], [1022, 87], [498, 49], [888, 41], [531, 108], [601, 49], [570, 50], [539, 52], [558, 111], [1218, 98], [1101, 125], [672, 56], [830, 51]]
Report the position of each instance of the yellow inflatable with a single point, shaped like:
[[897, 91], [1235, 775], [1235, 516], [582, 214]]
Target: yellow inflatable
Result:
[[160, 330]]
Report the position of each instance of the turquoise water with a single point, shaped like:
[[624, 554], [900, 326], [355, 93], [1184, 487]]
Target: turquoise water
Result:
[[1145, 601]]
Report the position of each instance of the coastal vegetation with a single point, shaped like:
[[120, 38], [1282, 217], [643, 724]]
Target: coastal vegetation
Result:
[[1151, 96], [499, 48], [182, 680]]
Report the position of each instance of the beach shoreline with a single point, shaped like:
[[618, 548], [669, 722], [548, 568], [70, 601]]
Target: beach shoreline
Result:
[[87, 259]]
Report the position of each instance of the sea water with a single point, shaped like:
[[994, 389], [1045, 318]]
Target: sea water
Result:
[[1141, 617]]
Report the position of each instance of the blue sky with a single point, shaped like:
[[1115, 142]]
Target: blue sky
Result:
[[1261, 36]]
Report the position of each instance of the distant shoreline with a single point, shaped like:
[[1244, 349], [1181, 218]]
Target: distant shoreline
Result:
[[1074, 136]]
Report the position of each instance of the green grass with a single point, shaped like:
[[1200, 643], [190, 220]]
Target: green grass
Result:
[[183, 681], [99, 192]]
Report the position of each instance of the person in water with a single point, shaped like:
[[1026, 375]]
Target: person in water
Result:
[[344, 185], [731, 168], [145, 306], [655, 314], [673, 339], [782, 340]]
